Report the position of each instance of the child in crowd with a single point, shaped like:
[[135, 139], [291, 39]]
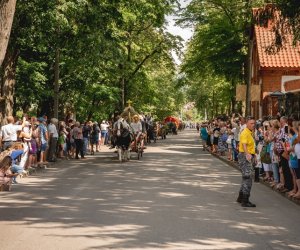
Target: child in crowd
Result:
[[61, 144], [229, 144]]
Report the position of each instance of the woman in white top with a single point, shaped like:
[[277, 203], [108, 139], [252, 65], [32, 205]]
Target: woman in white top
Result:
[[137, 128], [136, 125]]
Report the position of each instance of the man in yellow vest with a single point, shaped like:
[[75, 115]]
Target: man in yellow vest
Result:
[[246, 159]]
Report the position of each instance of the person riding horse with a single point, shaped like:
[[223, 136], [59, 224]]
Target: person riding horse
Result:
[[137, 128]]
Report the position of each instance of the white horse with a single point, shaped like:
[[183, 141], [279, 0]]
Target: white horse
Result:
[[124, 138]]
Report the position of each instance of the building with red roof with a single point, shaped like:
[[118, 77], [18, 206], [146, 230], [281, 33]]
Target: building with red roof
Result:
[[276, 74]]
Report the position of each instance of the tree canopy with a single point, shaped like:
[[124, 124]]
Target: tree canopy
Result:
[[99, 54], [90, 57]]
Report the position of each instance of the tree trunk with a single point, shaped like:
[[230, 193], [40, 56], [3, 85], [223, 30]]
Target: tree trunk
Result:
[[249, 77], [233, 97], [56, 84], [91, 109], [123, 92], [7, 11], [248, 69], [46, 107], [8, 80]]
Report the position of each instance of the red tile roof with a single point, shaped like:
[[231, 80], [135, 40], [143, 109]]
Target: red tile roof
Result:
[[287, 57]]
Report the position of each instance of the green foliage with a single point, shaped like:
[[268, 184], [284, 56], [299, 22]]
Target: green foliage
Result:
[[101, 44], [216, 56]]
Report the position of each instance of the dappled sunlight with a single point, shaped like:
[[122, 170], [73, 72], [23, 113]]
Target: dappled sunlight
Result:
[[260, 229], [172, 195], [278, 244], [134, 209], [210, 243], [169, 151]]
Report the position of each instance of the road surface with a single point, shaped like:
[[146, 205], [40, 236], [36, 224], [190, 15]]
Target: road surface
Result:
[[178, 197]]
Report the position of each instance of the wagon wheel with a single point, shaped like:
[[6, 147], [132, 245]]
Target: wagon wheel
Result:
[[139, 150]]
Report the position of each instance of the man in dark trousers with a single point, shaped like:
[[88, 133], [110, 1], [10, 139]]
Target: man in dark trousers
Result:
[[246, 159]]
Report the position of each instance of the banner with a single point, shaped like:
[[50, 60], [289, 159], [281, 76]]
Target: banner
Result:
[[255, 93], [241, 91]]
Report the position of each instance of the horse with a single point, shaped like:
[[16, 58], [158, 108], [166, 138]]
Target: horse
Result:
[[123, 141]]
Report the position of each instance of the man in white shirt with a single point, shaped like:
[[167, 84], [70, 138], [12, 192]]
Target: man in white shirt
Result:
[[104, 132], [9, 132], [53, 137]]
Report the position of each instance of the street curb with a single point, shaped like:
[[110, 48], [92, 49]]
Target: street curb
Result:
[[234, 165]]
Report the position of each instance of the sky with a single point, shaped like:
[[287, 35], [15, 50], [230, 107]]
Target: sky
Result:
[[185, 33]]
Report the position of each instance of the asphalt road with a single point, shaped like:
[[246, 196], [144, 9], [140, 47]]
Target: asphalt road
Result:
[[176, 197]]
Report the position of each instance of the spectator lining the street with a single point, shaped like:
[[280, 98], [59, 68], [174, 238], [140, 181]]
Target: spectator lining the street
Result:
[[297, 170], [95, 138], [42, 140], [229, 144], [53, 137], [6, 174], [86, 131], [216, 135], [274, 129], [77, 133], [293, 162], [204, 135], [9, 132], [104, 132]]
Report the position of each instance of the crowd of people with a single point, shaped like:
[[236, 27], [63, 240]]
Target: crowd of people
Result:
[[32, 142], [276, 155]]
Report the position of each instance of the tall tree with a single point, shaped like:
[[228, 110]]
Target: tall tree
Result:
[[100, 43], [7, 11], [221, 43]]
